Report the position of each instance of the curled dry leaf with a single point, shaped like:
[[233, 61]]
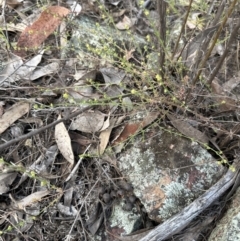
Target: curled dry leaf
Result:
[[6, 179], [88, 122], [34, 35], [14, 113], [30, 199], [126, 23], [64, 142], [68, 211]]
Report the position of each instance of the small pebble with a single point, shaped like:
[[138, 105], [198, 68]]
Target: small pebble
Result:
[[106, 197]]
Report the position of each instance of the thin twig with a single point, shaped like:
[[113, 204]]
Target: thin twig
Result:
[[220, 62], [204, 46], [182, 29], [37, 131], [162, 11], [202, 64]]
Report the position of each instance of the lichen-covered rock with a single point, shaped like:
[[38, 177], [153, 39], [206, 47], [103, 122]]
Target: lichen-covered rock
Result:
[[167, 171], [228, 228], [122, 222], [96, 44]]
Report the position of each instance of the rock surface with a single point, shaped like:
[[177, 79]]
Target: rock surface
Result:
[[167, 171], [98, 45], [228, 228], [122, 222]]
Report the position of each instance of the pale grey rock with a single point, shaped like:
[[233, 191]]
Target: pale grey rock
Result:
[[228, 228], [167, 171], [121, 223], [96, 44]]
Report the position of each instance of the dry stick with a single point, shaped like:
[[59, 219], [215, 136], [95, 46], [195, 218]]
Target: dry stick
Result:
[[220, 62], [162, 7], [202, 64], [35, 132], [181, 32], [217, 17], [203, 47]]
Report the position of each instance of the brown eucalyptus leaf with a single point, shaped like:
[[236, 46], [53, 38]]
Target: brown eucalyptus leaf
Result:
[[133, 128], [34, 35], [188, 130]]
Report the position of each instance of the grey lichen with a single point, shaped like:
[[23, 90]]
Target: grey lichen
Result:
[[125, 219], [177, 196]]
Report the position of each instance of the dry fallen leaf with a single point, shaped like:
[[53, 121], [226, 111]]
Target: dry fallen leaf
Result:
[[6, 179], [16, 69], [45, 70], [232, 83], [64, 142], [133, 128], [188, 130], [190, 51], [34, 35], [194, 21], [68, 211], [126, 23], [14, 3], [89, 122], [221, 97], [105, 135], [30, 199], [12, 114]]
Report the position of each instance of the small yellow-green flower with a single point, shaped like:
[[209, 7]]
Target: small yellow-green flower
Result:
[[65, 95], [158, 77], [232, 168], [133, 91], [146, 12], [148, 37], [224, 161], [33, 174]]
